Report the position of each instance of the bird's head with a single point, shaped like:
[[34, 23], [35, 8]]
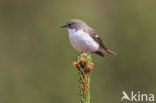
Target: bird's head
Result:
[[76, 24]]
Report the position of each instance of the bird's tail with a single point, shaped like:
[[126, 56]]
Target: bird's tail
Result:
[[109, 51]]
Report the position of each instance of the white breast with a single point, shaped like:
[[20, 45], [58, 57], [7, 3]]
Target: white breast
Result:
[[82, 42]]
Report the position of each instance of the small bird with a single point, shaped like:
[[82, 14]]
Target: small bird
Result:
[[84, 39]]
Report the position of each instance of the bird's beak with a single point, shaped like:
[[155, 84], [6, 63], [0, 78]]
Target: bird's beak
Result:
[[64, 26]]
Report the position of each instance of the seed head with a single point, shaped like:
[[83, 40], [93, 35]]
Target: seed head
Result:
[[83, 60], [89, 67], [76, 64]]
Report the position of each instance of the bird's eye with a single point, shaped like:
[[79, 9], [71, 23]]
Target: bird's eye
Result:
[[69, 25]]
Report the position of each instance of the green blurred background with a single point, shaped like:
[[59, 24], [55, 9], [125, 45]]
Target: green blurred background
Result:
[[36, 55]]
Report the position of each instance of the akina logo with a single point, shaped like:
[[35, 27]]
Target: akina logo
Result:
[[137, 97]]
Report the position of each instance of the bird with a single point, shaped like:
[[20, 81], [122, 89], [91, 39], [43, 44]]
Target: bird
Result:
[[84, 39]]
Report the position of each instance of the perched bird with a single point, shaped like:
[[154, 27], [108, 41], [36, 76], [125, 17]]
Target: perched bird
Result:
[[84, 39]]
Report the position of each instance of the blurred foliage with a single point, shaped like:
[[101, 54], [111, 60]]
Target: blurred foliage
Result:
[[36, 55]]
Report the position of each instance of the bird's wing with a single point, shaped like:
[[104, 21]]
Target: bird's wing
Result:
[[92, 33]]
